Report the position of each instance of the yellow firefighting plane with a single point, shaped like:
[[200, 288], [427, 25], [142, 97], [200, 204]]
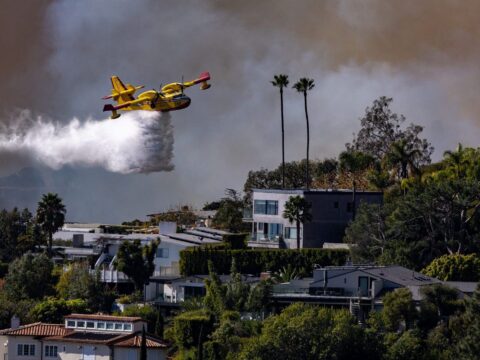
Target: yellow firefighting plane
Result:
[[170, 97]]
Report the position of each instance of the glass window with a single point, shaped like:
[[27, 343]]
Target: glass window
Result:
[[19, 349], [109, 326], [71, 323], [335, 204], [259, 226], [266, 207], [127, 327], [100, 325], [118, 326], [50, 351], [272, 207], [260, 207], [290, 233], [90, 324], [81, 324]]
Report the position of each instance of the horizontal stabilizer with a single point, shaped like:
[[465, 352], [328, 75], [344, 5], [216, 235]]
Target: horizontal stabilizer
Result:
[[108, 107]]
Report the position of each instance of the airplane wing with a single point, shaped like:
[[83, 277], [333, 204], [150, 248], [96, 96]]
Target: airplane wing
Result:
[[121, 93], [201, 79], [180, 86]]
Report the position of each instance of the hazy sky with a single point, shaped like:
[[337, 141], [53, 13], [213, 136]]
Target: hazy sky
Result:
[[57, 57]]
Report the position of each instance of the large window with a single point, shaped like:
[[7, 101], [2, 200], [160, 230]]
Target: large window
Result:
[[26, 350], [51, 351], [265, 207], [290, 233]]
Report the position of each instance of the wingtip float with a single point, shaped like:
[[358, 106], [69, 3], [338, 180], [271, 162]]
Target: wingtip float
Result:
[[169, 98]]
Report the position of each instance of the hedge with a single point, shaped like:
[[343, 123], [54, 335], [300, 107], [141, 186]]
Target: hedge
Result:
[[254, 261], [192, 327]]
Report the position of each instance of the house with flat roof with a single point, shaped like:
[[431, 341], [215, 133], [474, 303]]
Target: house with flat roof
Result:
[[331, 212], [86, 337]]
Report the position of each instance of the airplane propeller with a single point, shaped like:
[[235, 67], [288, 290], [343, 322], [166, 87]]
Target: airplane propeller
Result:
[[153, 103]]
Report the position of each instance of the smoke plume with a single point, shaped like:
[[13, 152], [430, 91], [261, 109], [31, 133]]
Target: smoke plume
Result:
[[137, 142]]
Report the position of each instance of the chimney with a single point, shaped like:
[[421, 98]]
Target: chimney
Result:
[[14, 322]]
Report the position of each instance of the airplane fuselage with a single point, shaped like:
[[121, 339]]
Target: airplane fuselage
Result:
[[154, 102]]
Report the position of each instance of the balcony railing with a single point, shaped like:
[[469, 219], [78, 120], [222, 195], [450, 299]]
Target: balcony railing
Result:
[[264, 237]]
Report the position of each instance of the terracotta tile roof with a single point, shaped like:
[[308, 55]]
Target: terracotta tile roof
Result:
[[103, 317], [123, 340], [37, 329], [135, 340]]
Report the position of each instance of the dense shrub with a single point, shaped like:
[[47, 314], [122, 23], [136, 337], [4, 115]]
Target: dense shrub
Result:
[[249, 261], [192, 327], [455, 267], [235, 241]]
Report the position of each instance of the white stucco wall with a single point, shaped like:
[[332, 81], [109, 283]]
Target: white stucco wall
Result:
[[134, 354], [9, 344]]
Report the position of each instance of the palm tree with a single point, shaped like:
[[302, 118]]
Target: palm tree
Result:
[[353, 162], [400, 155], [303, 86], [297, 210], [281, 81], [50, 216], [456, 159]]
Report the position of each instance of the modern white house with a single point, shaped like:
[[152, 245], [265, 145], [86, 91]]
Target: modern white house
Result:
[[86, 337], [331, 212]]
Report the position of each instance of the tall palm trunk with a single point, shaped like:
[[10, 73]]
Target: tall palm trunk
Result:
[[307, 171], [354, 198], [283, 139], [298, 235]]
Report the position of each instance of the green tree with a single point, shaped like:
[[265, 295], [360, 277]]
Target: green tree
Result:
[[369, 233], [380, 128], [237, 291], [305, 332], [29, 277], [454, 267], [404, 158], [74, 282], [457, 160], [440, 301], [50, 216], [297, 210], [281, 81], [409, 346], [137, 261], [304, 85], [148, 313], [19, 234], [353, 163], [230, 213], [467, 345], [54, 310], [398, 309]]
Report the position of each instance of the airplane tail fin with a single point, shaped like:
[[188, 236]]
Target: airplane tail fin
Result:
[[203, 79]]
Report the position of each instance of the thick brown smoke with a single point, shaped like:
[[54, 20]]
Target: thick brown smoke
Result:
[[59, 55]]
